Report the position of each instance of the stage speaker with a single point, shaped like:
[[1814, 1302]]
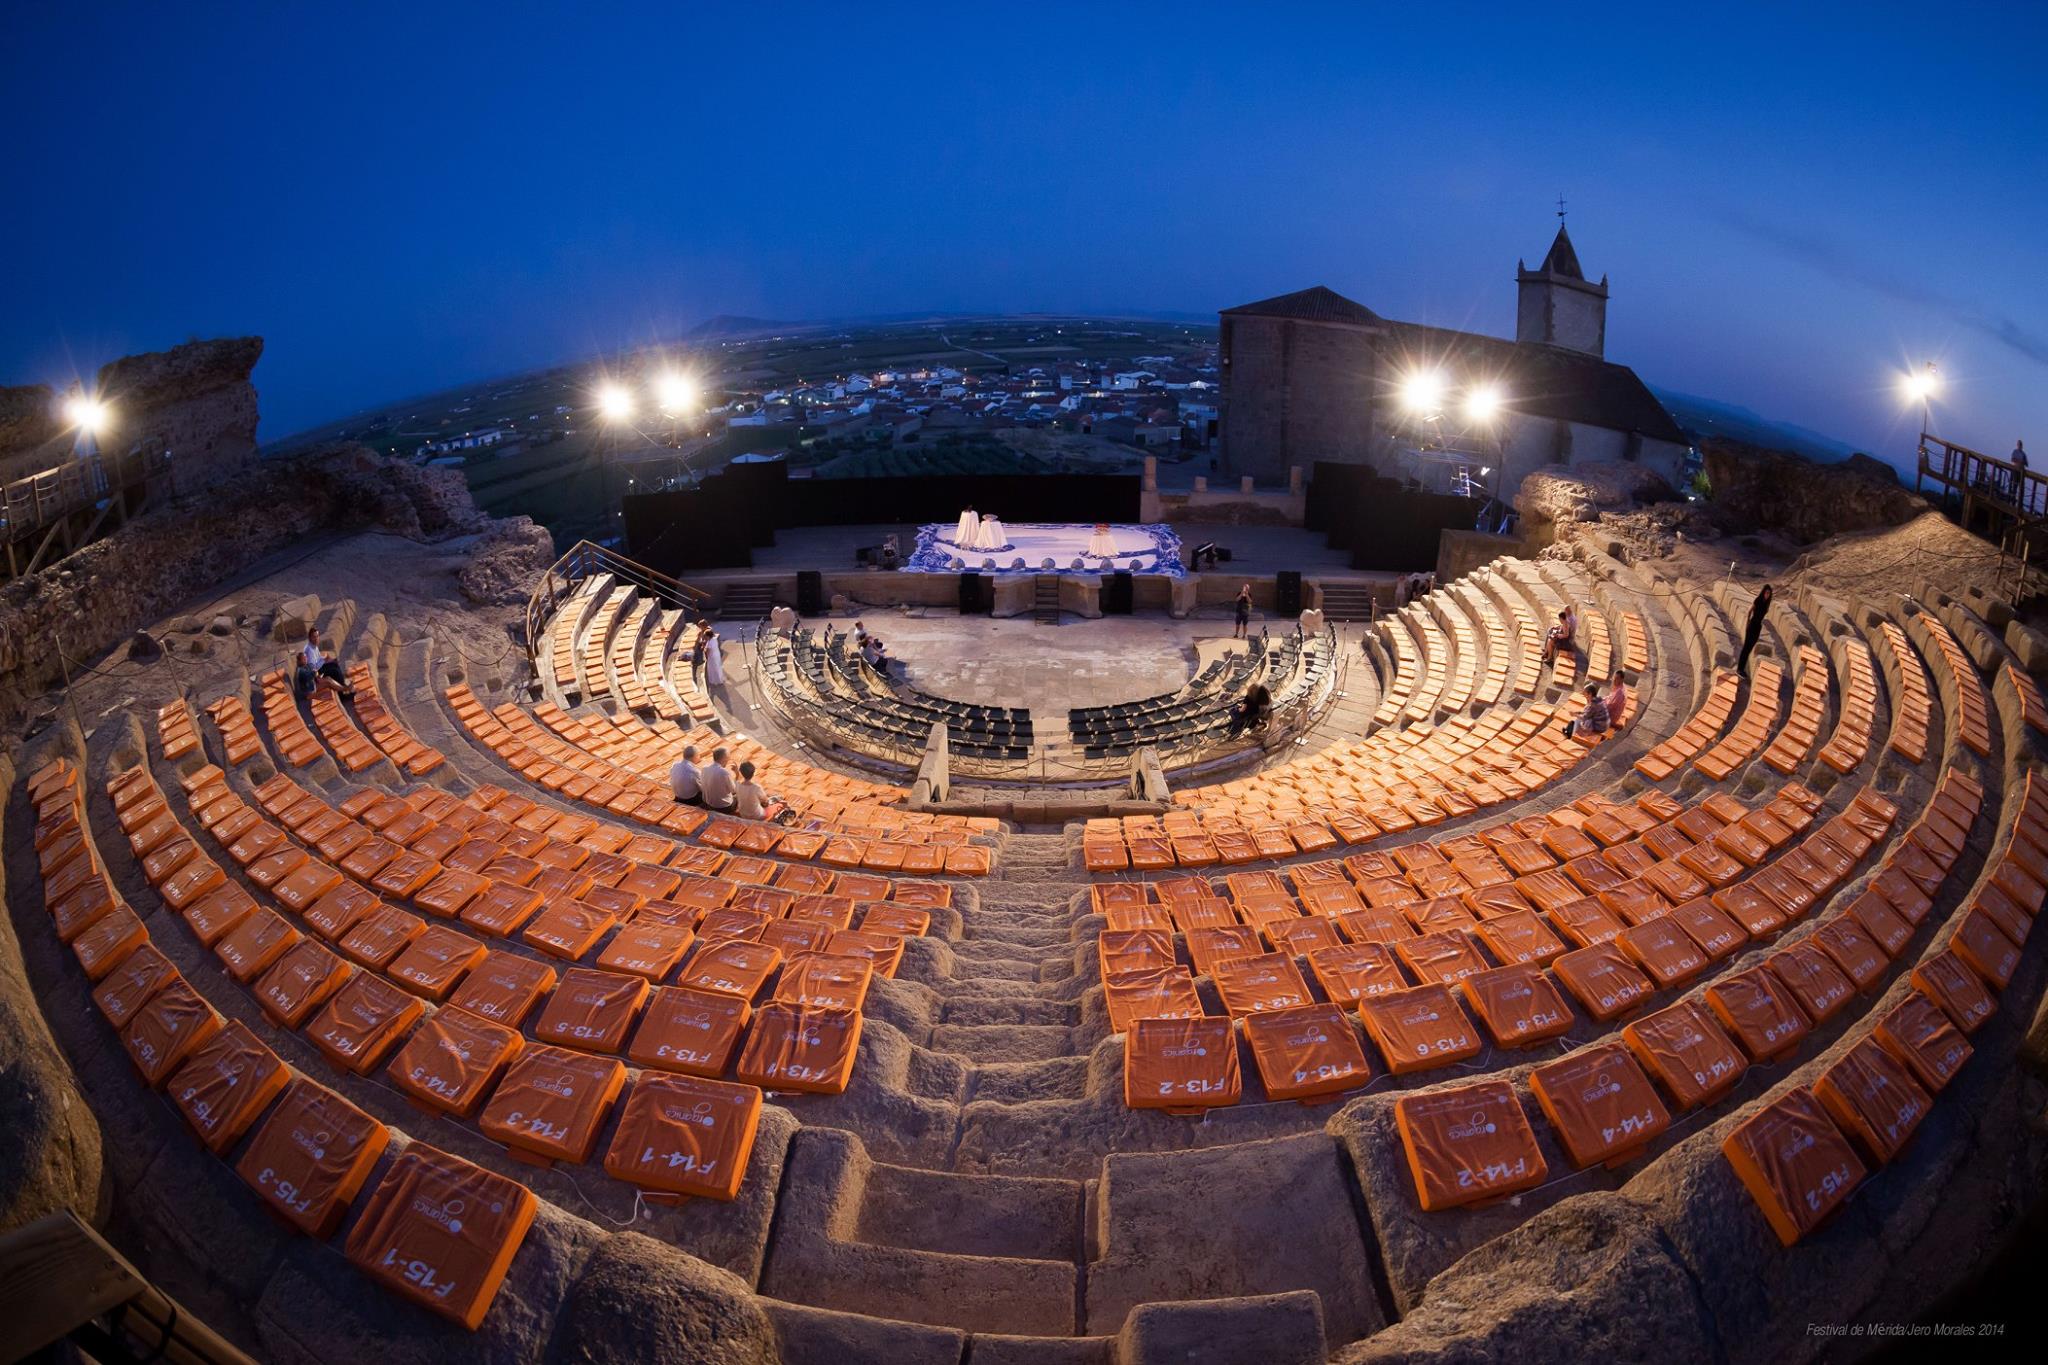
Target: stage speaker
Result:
[[1287, 593], [1117, 594], [810, 593], [976, 595]]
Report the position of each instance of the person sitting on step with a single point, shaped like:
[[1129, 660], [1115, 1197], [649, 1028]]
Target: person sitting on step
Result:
[[1563, 635], [1593, 719], [714, 782], [682, 778], [1616, 699], [315, 664], [750, 801], [1252, 710]]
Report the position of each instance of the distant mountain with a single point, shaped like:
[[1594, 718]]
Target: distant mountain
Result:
[[728, 325], [1702, 417]]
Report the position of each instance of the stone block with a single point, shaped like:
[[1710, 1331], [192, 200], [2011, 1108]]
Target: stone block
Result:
[[1268, 1329], [816, 1336], [2029, 645], [1254, 1218], [294, 616]]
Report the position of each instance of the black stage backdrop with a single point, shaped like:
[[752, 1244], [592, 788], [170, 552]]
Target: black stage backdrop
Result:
[[717, 524], [1384, 525]]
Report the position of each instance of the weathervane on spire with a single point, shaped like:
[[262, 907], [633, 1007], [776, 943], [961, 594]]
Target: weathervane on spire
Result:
[[1560, 208]]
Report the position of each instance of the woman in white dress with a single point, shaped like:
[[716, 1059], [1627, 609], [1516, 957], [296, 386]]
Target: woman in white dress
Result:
[[992, 536], [1101, 544], [714, 662], [964, 534]]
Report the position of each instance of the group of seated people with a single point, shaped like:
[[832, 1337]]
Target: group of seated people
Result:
[[1602, 711], [1252, 710], [712, 787], [871, 648], [316, 664]]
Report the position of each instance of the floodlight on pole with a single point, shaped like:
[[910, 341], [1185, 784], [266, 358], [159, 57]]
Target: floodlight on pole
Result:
[[614, 403], [1920, 386], [1422, 392], [88, 414], [676, 393], [1482, 403]]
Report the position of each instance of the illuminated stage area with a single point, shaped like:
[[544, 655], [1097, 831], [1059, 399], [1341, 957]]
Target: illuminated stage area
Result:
[[1048, 547]]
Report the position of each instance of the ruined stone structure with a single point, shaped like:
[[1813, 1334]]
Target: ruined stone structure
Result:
[[1313, 376], [195, 401]]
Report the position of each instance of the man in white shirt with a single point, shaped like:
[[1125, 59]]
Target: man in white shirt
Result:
[[315, 664], [749, 802], [714, 782], [682, 778]]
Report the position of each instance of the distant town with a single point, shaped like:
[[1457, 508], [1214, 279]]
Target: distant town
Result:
[[1001, 395]]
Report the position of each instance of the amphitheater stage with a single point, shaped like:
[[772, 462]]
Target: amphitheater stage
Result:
[[1052, 547], [1256, 551]]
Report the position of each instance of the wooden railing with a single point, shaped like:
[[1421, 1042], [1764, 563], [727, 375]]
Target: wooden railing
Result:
[[44, 504], [587, 559], [2011, 500], [33, 502]]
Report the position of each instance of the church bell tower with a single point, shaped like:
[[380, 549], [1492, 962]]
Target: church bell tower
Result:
[[1556, 305]]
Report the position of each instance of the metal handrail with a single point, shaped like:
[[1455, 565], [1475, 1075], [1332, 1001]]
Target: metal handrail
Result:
[[585, 560]]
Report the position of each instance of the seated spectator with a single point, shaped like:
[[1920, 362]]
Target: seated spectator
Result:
[[876, 654], [714, 782], [860, 634], [1616, 699], [1563, 635], [750, 802], [1252, 711], [315, 664], [682, 778], [1593, 718]]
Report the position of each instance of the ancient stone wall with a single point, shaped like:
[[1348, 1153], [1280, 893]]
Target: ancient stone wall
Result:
[[196, 399], [72, 611], [1754, 488], [50, 1155], [1555, 497]]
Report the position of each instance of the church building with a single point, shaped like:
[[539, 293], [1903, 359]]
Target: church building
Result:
[[1313, 376]]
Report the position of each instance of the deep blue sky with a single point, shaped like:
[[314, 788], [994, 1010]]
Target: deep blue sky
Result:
[[405, 198]]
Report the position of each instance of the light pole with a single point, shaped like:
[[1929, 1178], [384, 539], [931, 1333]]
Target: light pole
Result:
[[677, 396], [1920, 386], [614, 410], [88, 418]]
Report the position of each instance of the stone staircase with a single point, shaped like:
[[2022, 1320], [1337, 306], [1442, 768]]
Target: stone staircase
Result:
[[1045, 599], [747, 602], [1347, 601]]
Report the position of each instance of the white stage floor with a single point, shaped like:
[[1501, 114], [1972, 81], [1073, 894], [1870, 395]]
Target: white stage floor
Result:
[[1040, 547]]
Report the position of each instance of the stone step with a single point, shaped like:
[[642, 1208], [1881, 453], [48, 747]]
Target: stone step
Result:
[[1003, 1042], [998, 1254], [1008, 1010]]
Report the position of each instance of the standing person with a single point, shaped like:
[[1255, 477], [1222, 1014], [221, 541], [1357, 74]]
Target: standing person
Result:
[[1754, 631], [714, 782], [2021, 493], [315, 664], [682, 778], [714, 660], [1244, 613]]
